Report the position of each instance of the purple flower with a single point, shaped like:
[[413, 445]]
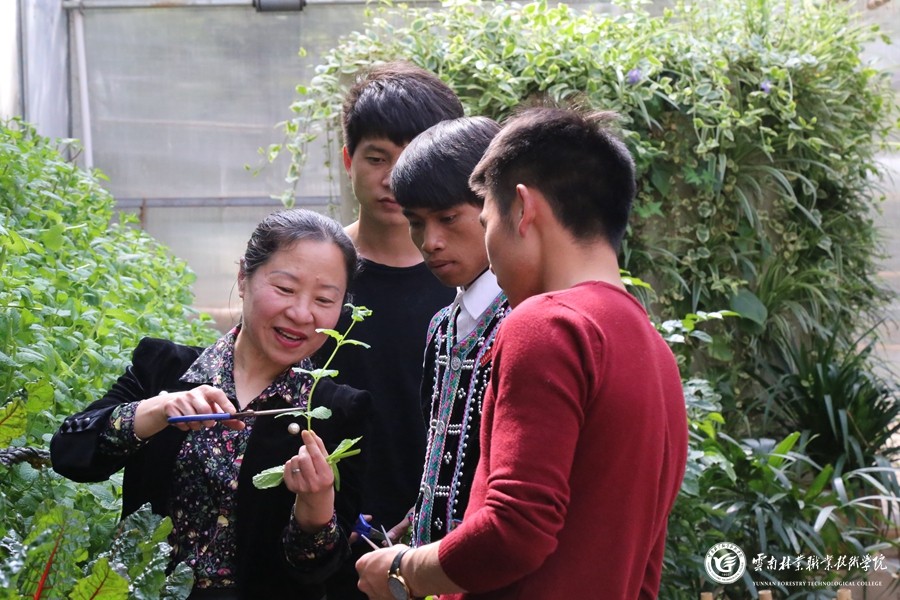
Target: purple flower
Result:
[[634, 76], [765, 86]]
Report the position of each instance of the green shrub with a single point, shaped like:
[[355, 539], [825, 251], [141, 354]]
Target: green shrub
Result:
[[826, 388], [772, 500], [77, 289], [755, 143], [77, 292], [68, 542]]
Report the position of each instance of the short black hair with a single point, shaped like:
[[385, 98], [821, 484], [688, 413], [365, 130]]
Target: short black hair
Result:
[[396, 100], [574, 159], [433, 171]]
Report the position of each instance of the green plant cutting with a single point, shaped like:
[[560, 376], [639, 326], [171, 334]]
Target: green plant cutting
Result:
[[273, 476]]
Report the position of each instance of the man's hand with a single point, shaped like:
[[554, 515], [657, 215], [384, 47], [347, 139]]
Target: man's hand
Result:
[[396, 533], [373, 568], [421, 569]]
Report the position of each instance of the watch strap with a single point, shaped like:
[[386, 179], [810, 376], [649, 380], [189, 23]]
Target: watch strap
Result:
[[395, 564], [394, 572]]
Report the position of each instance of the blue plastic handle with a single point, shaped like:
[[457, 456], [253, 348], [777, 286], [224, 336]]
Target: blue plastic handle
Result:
[[208, 417], [362, 526], [365, 528]]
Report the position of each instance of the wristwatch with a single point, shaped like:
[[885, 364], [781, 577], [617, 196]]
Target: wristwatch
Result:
[[396, 583]]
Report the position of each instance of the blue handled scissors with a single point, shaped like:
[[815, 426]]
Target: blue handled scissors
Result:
[[228, 416], [366, 532]]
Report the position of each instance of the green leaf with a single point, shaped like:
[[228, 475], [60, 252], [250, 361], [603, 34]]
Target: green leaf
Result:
[[823, 516], [53, 237], [15, 243], [777, 457], [152, 577], [746, 304], [356, 343], [14, 553], [269, 478], [358, 313], [337, 476], [55, 548], [840, 489], [13, 422], [342, 450], [630, 281], [140, 546], [102, 583], [320, 412], [331, 333], [40, 395], [347, 454], [179, 583], [660, 178], [319, 373], [720, 349]]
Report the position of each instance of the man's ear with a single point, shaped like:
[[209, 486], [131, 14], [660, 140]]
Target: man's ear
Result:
[[346, 156], [524, 209]]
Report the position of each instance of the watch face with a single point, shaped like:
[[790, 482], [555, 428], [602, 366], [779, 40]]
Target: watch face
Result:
[[398, 588]]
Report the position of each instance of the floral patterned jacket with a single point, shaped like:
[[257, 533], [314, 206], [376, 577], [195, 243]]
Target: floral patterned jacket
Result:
[[261, 515]]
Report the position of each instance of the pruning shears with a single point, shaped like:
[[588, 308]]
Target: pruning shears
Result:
[[368, 533], [223, 416]]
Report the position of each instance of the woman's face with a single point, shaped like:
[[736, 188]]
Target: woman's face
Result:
[[298, 290]]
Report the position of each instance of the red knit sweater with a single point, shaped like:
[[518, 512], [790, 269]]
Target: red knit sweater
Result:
[[584, 443]]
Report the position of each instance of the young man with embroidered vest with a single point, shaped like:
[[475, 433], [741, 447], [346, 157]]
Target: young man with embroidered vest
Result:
[[584, 431], [431, 183]]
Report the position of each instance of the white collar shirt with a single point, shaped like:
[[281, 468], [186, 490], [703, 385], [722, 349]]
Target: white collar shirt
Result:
[[473, 301]]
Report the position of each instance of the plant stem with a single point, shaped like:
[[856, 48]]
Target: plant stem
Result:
[[48, 566], [84, 348], [309, 406]]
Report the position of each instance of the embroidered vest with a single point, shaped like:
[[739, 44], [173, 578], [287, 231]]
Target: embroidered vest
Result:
[[456, 374]]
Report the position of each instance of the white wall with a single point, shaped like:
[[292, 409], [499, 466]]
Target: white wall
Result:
[[10, 93], [45, 49], [34, 81]]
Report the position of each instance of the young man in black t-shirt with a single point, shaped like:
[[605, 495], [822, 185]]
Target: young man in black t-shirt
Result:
[[387, 107]]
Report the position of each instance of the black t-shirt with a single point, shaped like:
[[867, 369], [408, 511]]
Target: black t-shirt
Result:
[[403, 301]]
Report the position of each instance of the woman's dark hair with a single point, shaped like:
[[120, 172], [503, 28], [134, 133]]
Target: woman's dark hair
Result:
[[284, 228]]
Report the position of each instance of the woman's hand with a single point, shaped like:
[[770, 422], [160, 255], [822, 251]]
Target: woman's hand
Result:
[[152, 414], [310, 477]]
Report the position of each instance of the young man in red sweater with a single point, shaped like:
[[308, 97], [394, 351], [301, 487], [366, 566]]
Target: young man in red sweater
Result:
[[584, 431]]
